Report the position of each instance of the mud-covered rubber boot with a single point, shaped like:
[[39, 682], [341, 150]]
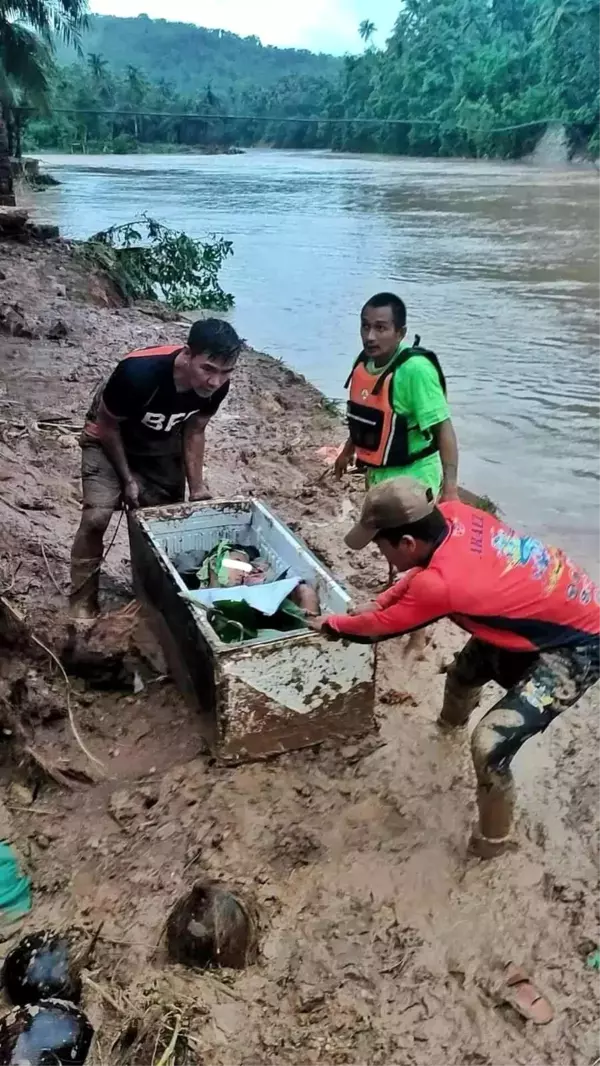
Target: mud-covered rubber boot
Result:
[[496, 804], [85, 583], [459, 702]]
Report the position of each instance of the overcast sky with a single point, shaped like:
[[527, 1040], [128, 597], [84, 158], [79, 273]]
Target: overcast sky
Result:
[[321, 25]]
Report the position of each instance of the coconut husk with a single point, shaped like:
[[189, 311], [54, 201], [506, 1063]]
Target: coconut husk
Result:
[[211, 927]]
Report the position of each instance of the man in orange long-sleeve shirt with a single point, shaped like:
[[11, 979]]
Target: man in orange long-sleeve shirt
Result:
[[533, 615]]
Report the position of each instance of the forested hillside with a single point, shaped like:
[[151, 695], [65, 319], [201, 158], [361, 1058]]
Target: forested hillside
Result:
[[462, 68], [140, 70], [456, 77], [190, 57]]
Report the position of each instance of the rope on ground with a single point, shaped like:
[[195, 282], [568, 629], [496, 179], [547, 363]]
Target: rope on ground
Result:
[[70, 715], [78, 588], [50, 574], [13, 577]]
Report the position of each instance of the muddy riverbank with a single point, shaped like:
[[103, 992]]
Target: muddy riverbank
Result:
[[379, 941]]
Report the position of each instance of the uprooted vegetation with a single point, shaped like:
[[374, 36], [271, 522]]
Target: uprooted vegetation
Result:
[[149, 261]]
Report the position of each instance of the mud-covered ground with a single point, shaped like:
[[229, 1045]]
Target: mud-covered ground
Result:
[[380, 941]]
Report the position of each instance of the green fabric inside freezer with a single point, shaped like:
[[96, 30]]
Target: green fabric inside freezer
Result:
[[237, 622]]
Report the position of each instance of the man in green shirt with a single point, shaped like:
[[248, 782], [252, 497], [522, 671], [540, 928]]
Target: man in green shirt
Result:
[[397, 395]]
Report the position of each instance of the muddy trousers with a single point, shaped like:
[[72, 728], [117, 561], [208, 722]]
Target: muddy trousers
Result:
[[161, 480], [539, 687]]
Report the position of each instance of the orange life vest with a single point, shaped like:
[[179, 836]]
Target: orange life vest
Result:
[[160, 349], [90, 428], [380, 434]]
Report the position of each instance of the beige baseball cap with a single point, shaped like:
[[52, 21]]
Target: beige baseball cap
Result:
[[397, 502]]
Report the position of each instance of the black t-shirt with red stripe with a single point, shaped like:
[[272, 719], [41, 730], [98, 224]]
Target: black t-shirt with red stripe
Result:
[[141, 391]]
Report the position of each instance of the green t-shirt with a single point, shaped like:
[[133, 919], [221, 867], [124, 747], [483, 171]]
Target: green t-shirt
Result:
[[417, 393]]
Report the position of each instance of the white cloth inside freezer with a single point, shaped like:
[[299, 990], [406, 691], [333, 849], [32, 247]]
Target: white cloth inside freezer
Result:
[[265, 598]]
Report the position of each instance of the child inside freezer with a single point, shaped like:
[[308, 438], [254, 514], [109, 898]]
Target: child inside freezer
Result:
[[226, 582]]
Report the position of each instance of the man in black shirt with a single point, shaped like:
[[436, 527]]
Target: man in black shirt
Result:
[[144, 435]]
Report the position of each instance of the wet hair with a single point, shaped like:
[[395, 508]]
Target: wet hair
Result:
[[214, 337], [389, 299], [430, 529]]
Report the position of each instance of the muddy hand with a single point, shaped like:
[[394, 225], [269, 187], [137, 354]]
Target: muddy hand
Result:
[[319, 625], [201, 493], [131, 494], [364, 608]]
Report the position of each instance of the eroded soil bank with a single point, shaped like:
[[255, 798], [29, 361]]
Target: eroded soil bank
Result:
[[380, 941]]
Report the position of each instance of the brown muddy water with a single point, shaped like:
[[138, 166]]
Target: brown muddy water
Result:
[[498, 264]]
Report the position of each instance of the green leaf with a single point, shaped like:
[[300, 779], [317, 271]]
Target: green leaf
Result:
[[149, 260]]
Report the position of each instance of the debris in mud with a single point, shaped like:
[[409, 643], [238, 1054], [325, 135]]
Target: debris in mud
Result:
[[13, 719], [124, 806], [12, 220], [295, 847], [101, 654], [393, 696], [58, 331], [210, 927], [13, 322], [34, 700], [154, 1033], [523, 996], [51, 1031], [310, 999], [42, 231], [41, 966], [13, 630]]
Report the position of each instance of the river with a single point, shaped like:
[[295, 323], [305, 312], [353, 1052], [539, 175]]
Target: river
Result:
[[497, 262]]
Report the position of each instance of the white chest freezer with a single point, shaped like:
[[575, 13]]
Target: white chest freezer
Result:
[[262, 696]]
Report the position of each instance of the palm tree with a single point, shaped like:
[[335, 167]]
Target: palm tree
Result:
[[24, 73], [7, 194], [138, 89], [104, 87], [366, 30], [28, 30], [137, 83], [97, 65]]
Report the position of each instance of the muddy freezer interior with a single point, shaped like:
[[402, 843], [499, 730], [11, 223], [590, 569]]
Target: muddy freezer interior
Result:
[[250, 525]]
